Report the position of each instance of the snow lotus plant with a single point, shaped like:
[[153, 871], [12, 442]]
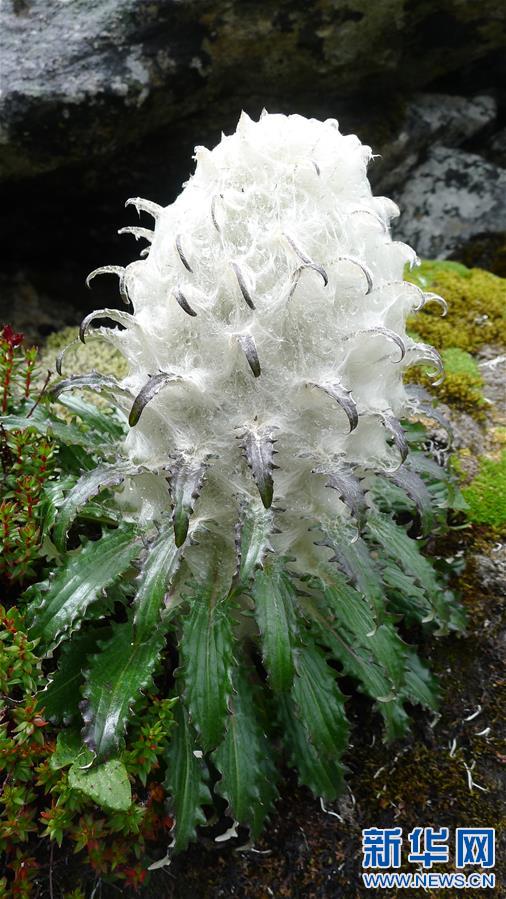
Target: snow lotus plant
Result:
[[252, 550]]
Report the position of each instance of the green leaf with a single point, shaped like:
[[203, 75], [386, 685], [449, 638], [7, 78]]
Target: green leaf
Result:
[[158, 570], [51, 499], [243, 758], [395, 719], [357, 662], [105, 422], [107, 784], [47, 425], [255, 528], [70, 750], [62, 601], [405, 596], [413, 486], [60, 700], [319, 702], [321, 773], [396, 543], [354, 557], [91, 483], [421, 686], [114, 680], [351, 610], [275, 614], [75, 460], [185, 781], [206, 653]]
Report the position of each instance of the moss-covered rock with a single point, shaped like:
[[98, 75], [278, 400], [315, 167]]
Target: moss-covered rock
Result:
[[476, 307], [486, 494], [81, 357], [82, 78]]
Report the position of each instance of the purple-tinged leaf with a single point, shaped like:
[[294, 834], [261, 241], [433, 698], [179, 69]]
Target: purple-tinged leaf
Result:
[[185, 479], [433, 298], [242, 285], [116, 315], [151, 388], [343, 397], [393, 425], [249, 347], [349, 489], [182, 254], [152, 209], [89, 485], [93, 381], [414, 487], [366, 271], [118, 270], [258, 447], [385, 332], [306, 261], [183, 302]]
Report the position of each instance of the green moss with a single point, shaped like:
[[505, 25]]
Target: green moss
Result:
[[486, 494], [82, 357], [463, 384], [458, 362], [476, 306], [428, 271]]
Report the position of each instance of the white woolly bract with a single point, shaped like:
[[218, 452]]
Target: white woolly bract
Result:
[[274, 294]]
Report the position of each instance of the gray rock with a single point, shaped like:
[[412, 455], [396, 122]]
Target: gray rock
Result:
[[492, 569], [33, 313], [429, 119], [82, 78], [498, 147], [449, 199]]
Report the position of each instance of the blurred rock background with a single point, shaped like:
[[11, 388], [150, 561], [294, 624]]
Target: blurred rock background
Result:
[[105, 100]]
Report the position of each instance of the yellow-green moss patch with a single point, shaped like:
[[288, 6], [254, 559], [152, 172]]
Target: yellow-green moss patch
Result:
[[486, 494], [476, 306], [463, 383], [82, 357]]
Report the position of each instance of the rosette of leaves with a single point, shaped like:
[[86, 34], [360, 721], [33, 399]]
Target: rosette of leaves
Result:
[[263, 518]]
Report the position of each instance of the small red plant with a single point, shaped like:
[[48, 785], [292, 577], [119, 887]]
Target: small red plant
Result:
[[25, 462]]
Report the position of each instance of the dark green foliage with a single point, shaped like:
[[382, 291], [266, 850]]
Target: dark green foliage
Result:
[[122, 668], [206, 652], [186, 781], [248, 775], [58, 605], [275, 613], [252, 659]]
